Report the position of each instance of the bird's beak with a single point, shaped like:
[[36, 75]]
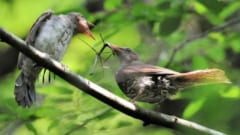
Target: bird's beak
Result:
[[84, 27], [115, 49]]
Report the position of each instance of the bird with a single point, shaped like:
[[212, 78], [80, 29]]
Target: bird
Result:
[[50, 34], [153, 84]]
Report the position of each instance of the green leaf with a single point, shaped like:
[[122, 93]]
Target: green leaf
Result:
[[198, 62], [169, 25], [164, 5], [233, 92], [54, 124], [229, 10], [214, 6], [234, 43], [216, 53], [143, 11], [82, 131], [193, 107], [124, 124], [107, 115], [217, 36], [111, 4], [48, 112], [200, 8], [31, 128]]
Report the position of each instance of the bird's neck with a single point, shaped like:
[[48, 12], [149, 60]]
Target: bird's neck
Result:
[[126, 63], [121, 74]]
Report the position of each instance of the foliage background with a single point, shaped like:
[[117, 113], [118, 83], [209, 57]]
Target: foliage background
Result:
[[153, 29]]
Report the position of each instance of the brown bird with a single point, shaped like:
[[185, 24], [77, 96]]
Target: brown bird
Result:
[[153, 84], [50, 34]]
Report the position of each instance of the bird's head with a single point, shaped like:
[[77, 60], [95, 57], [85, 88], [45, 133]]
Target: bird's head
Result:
[[82, 25], [125, 55]]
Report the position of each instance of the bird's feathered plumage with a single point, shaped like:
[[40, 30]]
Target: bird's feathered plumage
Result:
[[50, 34], [153, 84]]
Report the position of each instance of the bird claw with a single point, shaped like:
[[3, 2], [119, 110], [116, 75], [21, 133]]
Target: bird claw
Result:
[[133, 100], [49, 76], [65, 67]]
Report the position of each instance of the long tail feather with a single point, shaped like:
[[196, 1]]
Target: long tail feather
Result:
[[200, 77], [24, 91]]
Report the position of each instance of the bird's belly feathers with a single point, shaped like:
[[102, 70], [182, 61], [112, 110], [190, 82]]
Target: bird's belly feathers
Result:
[[54, 37], [152, 91]]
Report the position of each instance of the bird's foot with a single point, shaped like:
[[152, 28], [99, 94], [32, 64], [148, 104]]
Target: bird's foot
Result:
[[65, 67], [51, 76], [133, 100]]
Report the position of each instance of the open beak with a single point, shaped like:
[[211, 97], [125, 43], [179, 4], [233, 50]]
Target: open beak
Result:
[[84, 27]]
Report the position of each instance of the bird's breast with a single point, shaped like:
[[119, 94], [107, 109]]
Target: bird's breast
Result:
[[54, 37]]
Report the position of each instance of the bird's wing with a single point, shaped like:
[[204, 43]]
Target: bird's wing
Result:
[[33, 33], [37, 26], [149, 70]]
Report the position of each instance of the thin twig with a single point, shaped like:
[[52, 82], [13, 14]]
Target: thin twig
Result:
[[96, 59], [107, 36], [199, 36], [98, 56], [88, 45], [98, 43], [98, 92]]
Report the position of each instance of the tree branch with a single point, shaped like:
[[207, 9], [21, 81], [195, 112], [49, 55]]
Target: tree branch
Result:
[[98, 92], [199, 36]]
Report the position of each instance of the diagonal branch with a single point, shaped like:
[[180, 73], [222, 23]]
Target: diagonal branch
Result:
[[199, 36], [98, 92]]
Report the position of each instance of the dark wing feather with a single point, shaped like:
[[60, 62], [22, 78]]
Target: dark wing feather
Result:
[[37, 25], [33, 33], [149, 70]]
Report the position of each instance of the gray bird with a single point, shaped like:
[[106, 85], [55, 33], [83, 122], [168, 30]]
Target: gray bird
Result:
[[153, 84], [50, 34]]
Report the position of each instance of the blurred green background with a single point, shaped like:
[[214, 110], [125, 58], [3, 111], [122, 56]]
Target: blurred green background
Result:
[[153, 29]]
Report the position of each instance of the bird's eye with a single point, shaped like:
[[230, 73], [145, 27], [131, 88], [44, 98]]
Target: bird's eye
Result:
[[128, 50]]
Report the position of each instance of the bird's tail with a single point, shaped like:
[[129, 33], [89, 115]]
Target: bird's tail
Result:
[[200, 77], [25, 90]]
